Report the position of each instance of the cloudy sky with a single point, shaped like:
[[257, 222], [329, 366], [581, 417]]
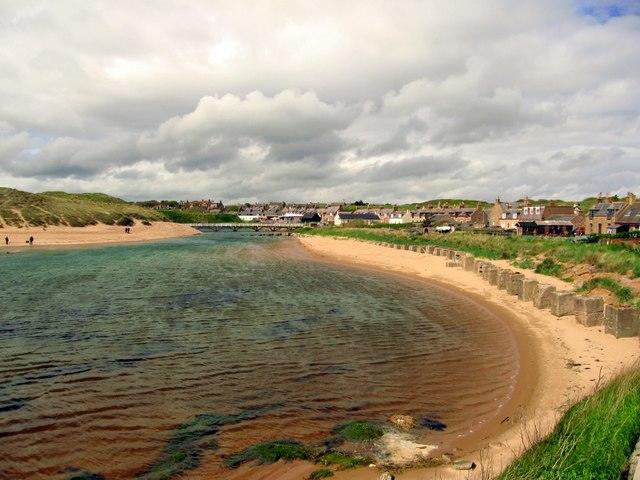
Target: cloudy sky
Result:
[[318, 100]]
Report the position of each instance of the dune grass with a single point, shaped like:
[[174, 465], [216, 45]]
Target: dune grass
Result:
[[617, 258], [593, 440], [623, 294], [22, 209]]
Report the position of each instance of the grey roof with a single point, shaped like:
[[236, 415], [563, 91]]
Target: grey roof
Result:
[[606, 209], [359, 216], [630, 214]]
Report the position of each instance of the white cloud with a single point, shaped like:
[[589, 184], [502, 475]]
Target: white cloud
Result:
[[320, 100]]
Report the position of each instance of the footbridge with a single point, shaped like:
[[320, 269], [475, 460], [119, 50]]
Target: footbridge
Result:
[[256, 227]]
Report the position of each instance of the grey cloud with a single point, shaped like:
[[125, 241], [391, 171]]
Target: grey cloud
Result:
[[324, 100]]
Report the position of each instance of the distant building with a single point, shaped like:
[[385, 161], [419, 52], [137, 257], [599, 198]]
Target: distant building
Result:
[[396, 218], [628, 219], [343, 218], [311, 217], [557, 220], [602, 217]]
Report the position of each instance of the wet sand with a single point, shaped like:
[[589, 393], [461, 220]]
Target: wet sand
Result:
[[56, 236], [551, 347]]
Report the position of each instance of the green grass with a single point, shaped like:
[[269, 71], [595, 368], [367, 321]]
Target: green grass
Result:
[[270, 452], [359, 431], [342, 460], [526, 263], [320, 473], [22, 209], [623, 294], [622, 259], [593, 440], [549, 267], [195, 216]]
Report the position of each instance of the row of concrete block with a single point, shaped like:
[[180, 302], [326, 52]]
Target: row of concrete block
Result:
[[589, 311]]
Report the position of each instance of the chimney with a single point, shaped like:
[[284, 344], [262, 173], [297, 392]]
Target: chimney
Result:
[[631, 198]]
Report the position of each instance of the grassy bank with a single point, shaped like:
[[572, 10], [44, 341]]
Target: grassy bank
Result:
[[21, 209], [593, 440], [617, 258], [195, 216]]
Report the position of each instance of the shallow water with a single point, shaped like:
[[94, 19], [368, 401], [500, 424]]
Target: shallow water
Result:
[[105, 351]]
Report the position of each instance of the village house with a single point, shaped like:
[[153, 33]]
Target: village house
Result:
[[558, 220], [252, 214], [628, 219], [602, 217], [343, 218], [328, 213], [396, 217], [480, 218], [311, 216], [504, 214]]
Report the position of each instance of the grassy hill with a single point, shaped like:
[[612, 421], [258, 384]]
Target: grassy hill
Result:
[[18, 208]]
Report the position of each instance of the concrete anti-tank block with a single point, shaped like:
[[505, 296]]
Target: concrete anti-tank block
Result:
[[492, 276], [528, 290], [431, 249], [478, 266], [543, 296], [514, 287], [452, 254], [589, 310], [469, 263], [414, 248], [621, 321], [423, 249], [503, 278], [563, 303]]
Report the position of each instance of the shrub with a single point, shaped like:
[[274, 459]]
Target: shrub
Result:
[[126, 222], [549, 267]]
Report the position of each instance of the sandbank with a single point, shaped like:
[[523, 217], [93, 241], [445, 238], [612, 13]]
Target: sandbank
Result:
[[58, 236]]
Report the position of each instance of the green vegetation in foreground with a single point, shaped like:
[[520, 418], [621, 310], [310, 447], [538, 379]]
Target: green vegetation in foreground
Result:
[[321, 473], [270, 452], [195, 216], [343, 461], [550, 267], [359, 431], [624, 294], [593, 440], [20, 209], [618, 258], [184, 448]]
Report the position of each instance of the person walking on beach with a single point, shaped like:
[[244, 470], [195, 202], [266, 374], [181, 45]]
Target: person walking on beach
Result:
[[31, 240], [6, 240]]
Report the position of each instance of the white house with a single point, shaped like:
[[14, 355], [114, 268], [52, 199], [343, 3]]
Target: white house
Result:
[[396, 218]]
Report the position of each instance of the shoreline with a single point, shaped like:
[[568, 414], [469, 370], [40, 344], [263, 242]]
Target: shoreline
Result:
[[55, 237], [563, 361]]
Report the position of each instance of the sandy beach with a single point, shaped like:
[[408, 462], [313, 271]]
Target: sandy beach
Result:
[[561, 361], [55, 236]]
